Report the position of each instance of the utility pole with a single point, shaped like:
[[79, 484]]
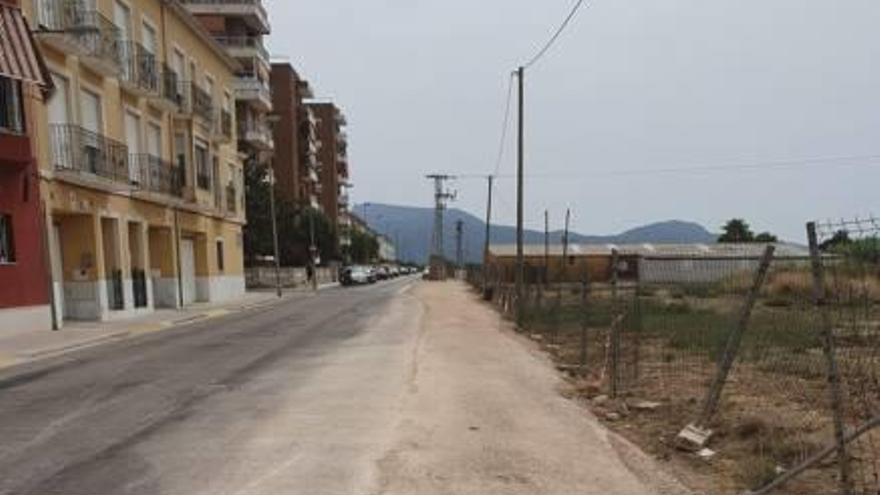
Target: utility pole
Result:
[[274, 231], [459, 253], [520, 261], [441, 197], [486, 244], [565, 242], [546, 246], [313, 251]]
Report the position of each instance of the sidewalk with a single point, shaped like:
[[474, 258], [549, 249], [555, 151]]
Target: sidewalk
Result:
[[19, 347]]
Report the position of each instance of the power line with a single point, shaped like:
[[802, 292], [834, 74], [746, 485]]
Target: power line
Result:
[[556, 35], [840, 161], [504, 125]]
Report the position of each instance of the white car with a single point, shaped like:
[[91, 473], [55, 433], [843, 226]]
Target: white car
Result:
[[360, 275]]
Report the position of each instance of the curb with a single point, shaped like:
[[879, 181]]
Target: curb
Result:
[[10, 361]]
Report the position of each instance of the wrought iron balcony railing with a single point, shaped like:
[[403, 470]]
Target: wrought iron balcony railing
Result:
[[158, 175], [202, 103], [94, 35], [76, 149], [171, 87], [140, 67]]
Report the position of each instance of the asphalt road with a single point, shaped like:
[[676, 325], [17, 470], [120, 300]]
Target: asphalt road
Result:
[[291, 399]]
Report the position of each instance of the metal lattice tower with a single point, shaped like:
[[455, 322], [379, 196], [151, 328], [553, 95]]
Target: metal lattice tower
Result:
[[441, 197]]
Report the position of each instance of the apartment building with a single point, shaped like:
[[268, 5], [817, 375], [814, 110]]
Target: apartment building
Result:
[[239, 26], [296, 138], [334, 173], [139, 169], [24, 282]]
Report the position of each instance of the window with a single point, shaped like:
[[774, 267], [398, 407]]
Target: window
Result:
[[11, 118], [203, 174], [148, 33], [220, 262], [59, 108], [90, 106], [7, 247]]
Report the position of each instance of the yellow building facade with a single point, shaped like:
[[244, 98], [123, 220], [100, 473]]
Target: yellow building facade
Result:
[[141, 180]]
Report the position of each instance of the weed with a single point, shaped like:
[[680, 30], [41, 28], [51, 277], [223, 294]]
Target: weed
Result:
[[756, 471]]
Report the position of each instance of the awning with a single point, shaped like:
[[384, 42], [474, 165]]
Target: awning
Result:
[[19, 57]]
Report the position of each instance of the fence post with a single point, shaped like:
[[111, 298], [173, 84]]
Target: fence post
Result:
[[585, 285], [820, 300], [734, 340], [615, 326], [637, 321]]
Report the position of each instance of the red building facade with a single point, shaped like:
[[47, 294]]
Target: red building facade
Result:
[[24, 279]]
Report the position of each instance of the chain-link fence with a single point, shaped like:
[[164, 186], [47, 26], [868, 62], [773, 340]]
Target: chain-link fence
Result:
[[770, 360]]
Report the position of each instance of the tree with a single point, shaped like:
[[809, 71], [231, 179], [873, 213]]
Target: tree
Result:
[[737, 230], [258, 231], [293, 225], [839, 240], [766, 237], [364, 247]]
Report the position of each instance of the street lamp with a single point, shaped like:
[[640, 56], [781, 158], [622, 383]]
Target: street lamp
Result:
[[270, 179]]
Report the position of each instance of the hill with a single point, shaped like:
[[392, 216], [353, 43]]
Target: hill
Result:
[[411, 227]]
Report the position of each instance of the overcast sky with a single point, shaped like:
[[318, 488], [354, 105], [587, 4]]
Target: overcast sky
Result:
[[632, 85]]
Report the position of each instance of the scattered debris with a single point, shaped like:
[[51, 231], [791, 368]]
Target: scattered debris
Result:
[[646, 405], [600, 400], [693, 438], [612, 416], [706, 454]]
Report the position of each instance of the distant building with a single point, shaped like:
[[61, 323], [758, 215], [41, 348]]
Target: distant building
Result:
[[649, 263], [333, 157], [295, 163], [387, 249]]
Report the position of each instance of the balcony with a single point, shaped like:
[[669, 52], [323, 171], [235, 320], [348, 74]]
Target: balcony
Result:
[[169, 96], [343, 200], [342, 137], [71, 28], [202, 103], [157, 175], [250, 89], [249, 47], [140, 70], [79, 151], [257, 135], [251, 12], [192, 100]]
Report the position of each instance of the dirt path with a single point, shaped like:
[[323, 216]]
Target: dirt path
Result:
[[483, 415]]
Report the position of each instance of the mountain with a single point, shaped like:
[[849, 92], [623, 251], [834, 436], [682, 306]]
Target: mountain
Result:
[[411, 228]]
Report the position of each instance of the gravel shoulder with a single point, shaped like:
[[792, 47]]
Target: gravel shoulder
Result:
[[484, 414]]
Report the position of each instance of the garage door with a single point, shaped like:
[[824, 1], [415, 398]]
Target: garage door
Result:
[[188, 270]]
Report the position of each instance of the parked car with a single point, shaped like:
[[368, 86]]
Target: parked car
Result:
[[356, 275]]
